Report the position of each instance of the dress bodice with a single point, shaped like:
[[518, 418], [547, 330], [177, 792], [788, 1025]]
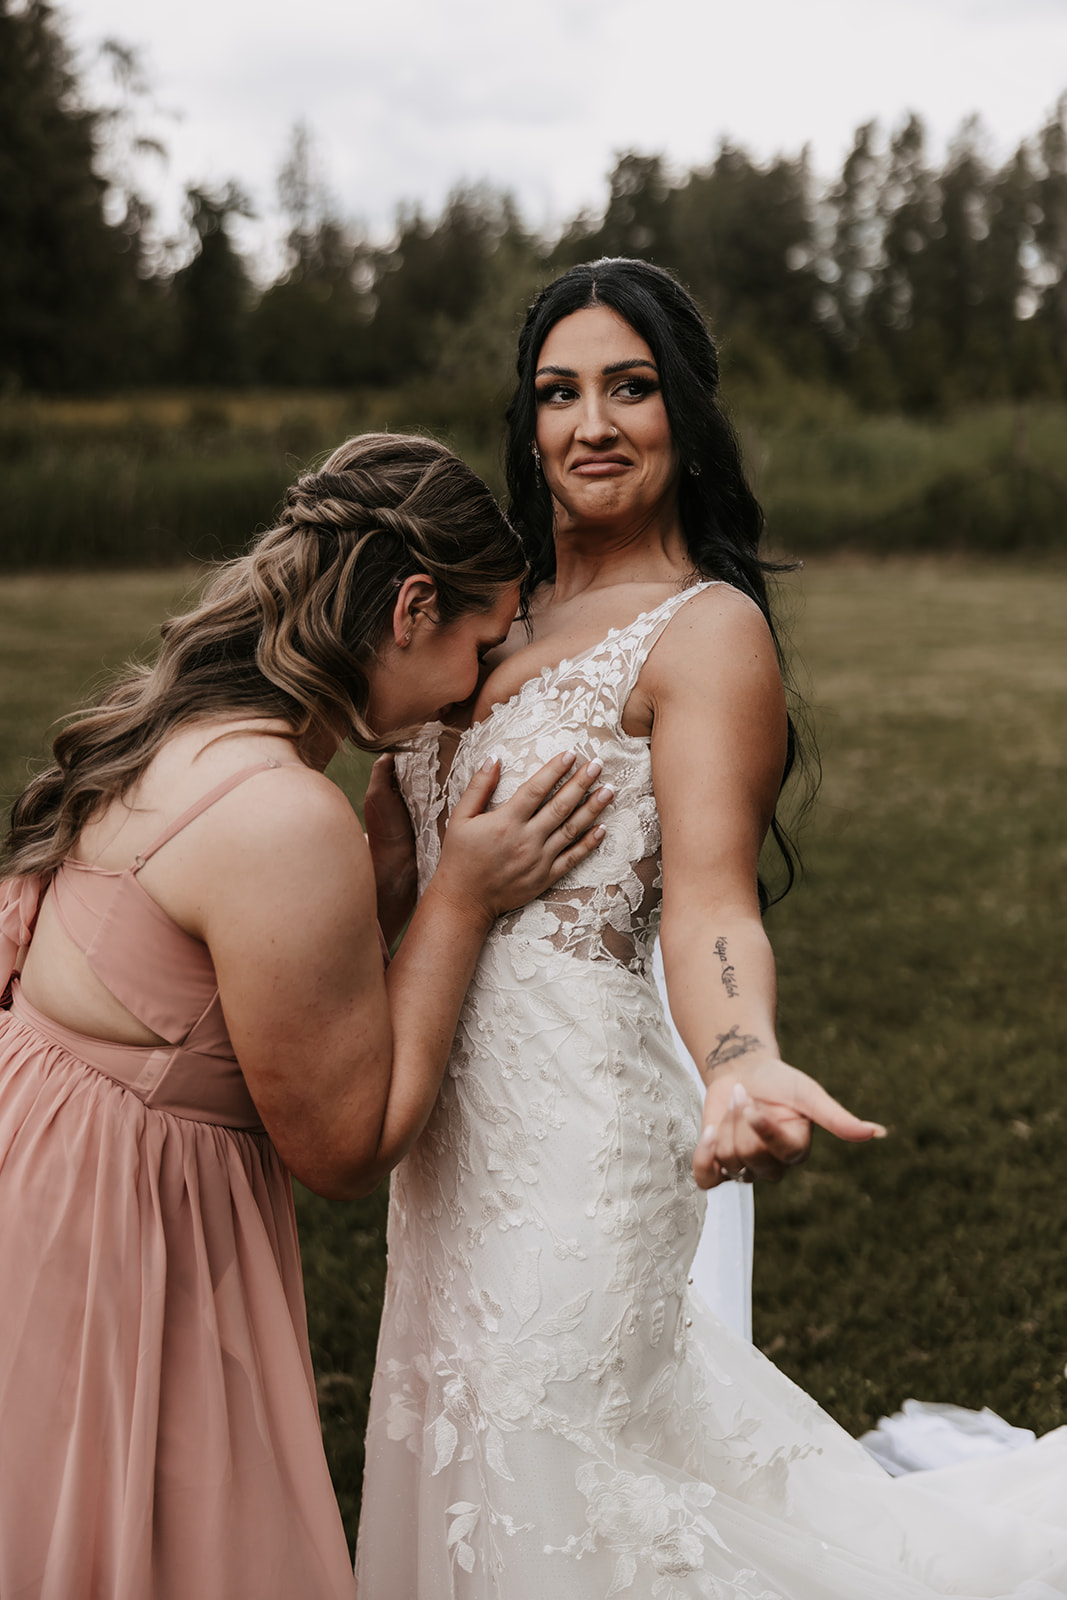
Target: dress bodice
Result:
[[607, 908], [160, 973]]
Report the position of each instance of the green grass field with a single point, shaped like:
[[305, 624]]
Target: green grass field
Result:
[[922, 979]]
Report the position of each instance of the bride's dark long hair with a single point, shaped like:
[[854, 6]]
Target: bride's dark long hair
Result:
[[722, 521]]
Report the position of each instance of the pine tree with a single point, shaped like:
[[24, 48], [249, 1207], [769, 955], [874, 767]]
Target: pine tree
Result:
[[1004, 350], [432, 279], [65, 274], [746, 247], [904, 303], [212, 295], [311, 327], [1051, 236]]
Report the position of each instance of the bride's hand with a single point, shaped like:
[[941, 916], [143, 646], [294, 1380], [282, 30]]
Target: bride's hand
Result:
[[758, 1122], [494, 861]]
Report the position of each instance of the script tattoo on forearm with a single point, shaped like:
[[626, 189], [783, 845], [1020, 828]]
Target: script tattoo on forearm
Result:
[[728, 975], [730, 1046]]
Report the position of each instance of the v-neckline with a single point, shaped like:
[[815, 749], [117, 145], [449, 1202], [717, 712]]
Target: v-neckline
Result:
[[433, 732], [547, 673]]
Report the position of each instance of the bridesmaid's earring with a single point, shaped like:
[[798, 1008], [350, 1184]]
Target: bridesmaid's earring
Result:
[[536, 455]]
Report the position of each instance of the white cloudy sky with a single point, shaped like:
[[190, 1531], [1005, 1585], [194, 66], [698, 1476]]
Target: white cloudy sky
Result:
[[408, 97]]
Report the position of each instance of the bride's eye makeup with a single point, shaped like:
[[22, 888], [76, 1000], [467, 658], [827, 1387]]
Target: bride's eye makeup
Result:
[[636, 388], [547, 392], [633, 386]]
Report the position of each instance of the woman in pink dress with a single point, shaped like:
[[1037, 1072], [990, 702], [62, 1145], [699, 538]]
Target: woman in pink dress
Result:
[[196, 1005]]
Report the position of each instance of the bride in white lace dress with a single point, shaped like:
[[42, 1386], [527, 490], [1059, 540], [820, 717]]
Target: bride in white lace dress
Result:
[[555, 1413]]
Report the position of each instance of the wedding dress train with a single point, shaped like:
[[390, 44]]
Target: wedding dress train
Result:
[[556, 1415]]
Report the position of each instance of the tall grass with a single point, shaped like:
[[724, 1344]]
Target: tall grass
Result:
[[921, 978], [157, 480]]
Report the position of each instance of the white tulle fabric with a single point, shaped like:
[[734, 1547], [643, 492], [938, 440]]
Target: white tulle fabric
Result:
[[556, 1415]]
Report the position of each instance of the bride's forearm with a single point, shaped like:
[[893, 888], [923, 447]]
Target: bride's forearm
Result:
[[722, 988], [396, 882]]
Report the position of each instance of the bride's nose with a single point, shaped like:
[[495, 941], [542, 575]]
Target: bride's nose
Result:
[[594, 427]]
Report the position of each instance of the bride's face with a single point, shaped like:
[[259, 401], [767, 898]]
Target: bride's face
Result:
[[425, 667], [602, 430]]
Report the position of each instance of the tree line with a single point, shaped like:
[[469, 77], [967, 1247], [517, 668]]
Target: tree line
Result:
[[907, 283]]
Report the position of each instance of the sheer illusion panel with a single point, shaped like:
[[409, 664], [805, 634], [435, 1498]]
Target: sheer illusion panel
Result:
[[609, 922]]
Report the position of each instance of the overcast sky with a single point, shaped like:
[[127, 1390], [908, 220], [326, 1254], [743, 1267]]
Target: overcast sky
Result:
[[408, 97]]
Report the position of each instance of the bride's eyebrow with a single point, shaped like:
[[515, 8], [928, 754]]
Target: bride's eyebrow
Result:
[[605, 372], [625, 366]]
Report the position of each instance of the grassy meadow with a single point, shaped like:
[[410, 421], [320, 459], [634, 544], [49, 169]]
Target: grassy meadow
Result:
[[921, 973], [154, 480]]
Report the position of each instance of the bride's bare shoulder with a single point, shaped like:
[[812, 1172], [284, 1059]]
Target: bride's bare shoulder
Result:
[[717, 616], [719, 640]]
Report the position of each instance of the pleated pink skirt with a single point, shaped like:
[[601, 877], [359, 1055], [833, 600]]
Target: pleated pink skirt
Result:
[[159, 1436]]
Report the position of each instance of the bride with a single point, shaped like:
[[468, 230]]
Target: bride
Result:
[[554, 1412]]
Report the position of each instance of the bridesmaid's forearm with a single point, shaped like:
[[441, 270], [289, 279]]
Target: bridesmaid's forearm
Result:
[[427, 982]]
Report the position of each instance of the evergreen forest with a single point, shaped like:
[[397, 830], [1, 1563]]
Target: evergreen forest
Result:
[[908, 316]]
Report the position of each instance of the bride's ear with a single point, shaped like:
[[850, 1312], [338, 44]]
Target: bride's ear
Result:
[[414, 609]]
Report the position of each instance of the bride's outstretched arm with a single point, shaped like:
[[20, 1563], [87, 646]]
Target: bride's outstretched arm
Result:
[[718, 747]]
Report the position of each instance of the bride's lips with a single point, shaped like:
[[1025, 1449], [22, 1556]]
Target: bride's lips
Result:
[[600, 466]]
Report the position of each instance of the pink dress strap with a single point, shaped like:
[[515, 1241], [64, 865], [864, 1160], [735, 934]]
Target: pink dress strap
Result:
[[200, 806]]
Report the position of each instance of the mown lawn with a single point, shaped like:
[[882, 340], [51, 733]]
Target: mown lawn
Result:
[[922, 965], [922, 978]]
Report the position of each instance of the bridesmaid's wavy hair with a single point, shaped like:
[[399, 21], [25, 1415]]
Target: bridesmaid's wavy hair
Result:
[[287, 630], [721, 518]]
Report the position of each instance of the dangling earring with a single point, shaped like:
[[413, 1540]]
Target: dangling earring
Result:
[[694, 470], [536, 455]]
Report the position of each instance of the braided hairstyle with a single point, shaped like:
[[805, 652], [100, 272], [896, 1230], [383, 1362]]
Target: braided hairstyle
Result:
[[286, 631], [721, 519]]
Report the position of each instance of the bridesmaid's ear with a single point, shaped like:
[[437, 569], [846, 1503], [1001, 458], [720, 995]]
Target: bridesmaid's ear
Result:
[[414, 607]]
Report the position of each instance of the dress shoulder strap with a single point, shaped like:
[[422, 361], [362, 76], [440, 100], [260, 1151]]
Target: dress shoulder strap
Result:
[[200, 806], [625, 650]]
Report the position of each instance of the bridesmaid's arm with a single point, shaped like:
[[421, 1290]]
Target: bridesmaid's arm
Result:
[[342, 1060], [718, 748]]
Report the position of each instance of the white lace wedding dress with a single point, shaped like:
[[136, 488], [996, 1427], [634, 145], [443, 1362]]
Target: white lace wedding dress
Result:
[[556, 1416]]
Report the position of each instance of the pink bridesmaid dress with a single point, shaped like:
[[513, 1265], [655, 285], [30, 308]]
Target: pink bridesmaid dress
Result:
[[159, 1437]]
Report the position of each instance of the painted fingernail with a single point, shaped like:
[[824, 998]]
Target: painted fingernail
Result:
[[567, 756], [594, 769], [605, 793], [488, 763], [739, 1097], [879, 1131], [707, 1138], [598, 833]]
